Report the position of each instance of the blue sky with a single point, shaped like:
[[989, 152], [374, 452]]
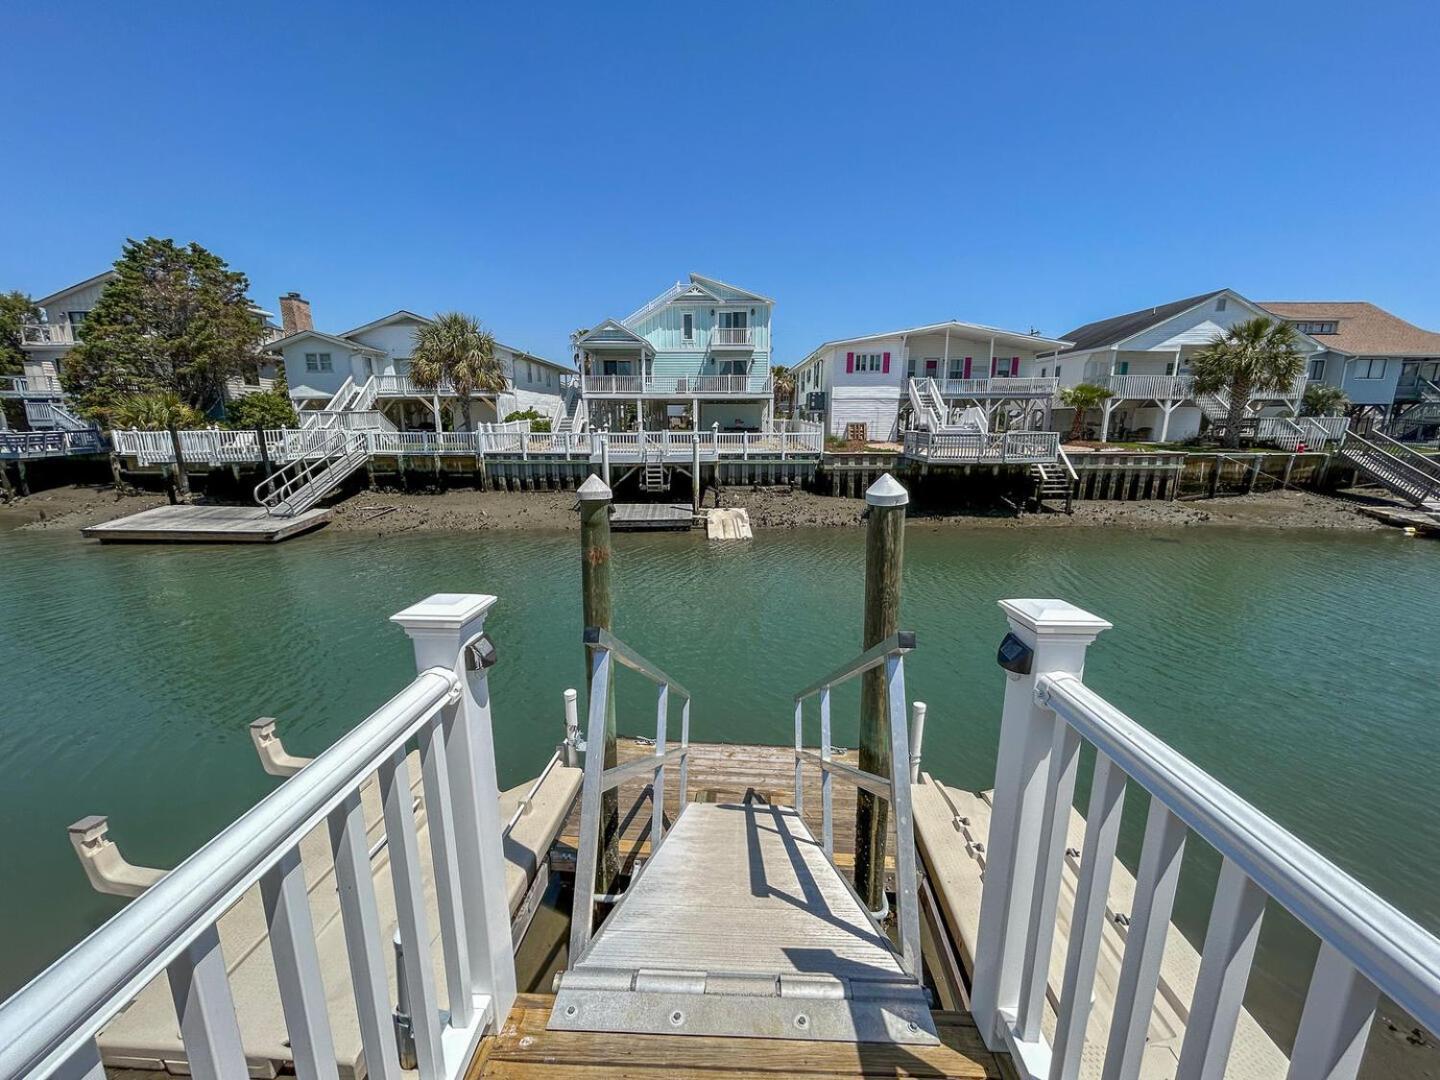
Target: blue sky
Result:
[[869, 166]]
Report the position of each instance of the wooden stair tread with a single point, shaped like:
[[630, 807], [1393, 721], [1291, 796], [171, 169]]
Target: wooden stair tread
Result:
[[524, 1048]]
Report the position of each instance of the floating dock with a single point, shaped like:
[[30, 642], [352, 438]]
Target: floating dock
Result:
[[634, 516], [205, 525]]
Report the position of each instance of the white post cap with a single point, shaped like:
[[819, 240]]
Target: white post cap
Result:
[[594, 490], [1054, 619], [887, 491], [440, 625]]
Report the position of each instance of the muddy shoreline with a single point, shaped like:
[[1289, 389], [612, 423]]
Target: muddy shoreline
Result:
[[388, 513]]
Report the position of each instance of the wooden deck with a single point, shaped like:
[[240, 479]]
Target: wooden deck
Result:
[[524, 1048], [205, 525], [652, 516]]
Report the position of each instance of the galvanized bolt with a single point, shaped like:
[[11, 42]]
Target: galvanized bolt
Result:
[[802, 1021], [570, 1010], [677, 1018], [914, 1027]]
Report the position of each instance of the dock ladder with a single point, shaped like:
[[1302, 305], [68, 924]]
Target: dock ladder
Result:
[[740, 924]]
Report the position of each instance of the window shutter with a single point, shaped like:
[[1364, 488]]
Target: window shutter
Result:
[[968, 360], [1014, 366], [849, 363], [885, 363]]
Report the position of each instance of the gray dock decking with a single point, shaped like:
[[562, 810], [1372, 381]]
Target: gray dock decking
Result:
[[652, 516], [205, 525]]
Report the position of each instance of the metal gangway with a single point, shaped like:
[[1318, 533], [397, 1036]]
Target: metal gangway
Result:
[[740, 923]]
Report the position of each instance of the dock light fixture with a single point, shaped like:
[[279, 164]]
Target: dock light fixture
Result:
[[1014, 655], [480, 654]]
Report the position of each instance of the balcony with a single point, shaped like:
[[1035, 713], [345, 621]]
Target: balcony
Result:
[[732, 337], [671, 386], [29, 386], [1002, 387], [40, 335], [1150, 387]]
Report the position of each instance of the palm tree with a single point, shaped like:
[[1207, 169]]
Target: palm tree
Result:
[[1082, 398], [456, 349], [784, 384], [153, 412], [1254, 356], [1321, 399]]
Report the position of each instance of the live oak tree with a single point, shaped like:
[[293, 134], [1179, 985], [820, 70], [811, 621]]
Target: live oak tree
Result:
[[16, 308], [175, 320], [456, 349], [1254, 356]]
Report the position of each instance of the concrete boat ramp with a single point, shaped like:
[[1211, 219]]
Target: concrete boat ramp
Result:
[[191, 524]]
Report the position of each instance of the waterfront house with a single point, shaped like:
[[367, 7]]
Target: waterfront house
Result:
[[867, 381], [1143, 358], [368, 368], [47, 341], [1387, 367], [696, 356]]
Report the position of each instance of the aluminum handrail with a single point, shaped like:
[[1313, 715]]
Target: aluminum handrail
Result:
[[50, 1020], [1410, 456], [1065, 460], [1383, 943], [901, 642], [597, 638]]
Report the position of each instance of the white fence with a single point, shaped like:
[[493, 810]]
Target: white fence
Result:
[[1367, 947], [282, 445], [998, 448], [1314, 432], [49, 1027], [19, 445]]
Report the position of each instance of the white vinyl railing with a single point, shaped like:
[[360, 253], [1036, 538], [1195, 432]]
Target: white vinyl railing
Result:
[[998, 447], [1001, 387], [49, 1027], [1150, 387], [58, 333], [40, 444], [1367, 947], [732, 335], [754, 385], [29, 386]]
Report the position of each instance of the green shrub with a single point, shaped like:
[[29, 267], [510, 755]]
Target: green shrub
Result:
[[538, 423], [267, 409]]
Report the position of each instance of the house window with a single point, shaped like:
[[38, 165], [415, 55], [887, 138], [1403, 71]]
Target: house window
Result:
[[1057, 371], [1170, 367], [77, 319], [867, 361], [732, 320], [957, 368], [1326, 327], [318, 362], [1122, 367], [909, 367], [687, 326], [1220, 304], [529, 371], [1372, 367], [1317, 370]]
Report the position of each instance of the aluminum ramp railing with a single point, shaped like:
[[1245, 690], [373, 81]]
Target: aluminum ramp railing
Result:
[[740, 924], [304, 482], [1401, 470]]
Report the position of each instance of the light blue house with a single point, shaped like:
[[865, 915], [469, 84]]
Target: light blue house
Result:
[[698, 355]]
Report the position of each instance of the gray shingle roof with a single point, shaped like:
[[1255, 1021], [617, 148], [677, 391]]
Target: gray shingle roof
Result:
[[1106, 332]]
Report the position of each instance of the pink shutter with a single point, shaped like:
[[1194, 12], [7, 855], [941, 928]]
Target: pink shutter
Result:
[[849, 363], [885, 364], [1015, 366], [968, 361], [994, 366]]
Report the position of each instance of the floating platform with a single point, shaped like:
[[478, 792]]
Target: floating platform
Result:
[[205, 525], [728, 524], [652, 516]]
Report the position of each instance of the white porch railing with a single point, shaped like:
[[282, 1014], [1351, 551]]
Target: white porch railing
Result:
[[1150, 387], [20, 386], [18, 445], [753, 385], [48, 1028], [732, 336], [1367, 946], [997, 447], [1001, 387], [47, 334], [1315, 432]]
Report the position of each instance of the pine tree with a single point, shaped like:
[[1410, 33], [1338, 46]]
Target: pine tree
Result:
[[15, 309], [174, 320]]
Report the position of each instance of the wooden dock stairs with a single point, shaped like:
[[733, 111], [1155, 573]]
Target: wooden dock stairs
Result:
[[740, 924]]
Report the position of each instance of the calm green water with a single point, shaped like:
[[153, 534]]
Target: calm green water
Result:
[[1301, 669]]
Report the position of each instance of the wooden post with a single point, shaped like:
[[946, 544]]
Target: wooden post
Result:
[[264, 450], [6, 489], [595, 498], [182, 482], [884, 559], [695, 471], [21, 475]]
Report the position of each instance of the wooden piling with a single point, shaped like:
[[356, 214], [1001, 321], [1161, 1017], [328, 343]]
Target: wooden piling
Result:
[[7, 490], [181, 481], [264, 450], [595, 499], [884, 560]]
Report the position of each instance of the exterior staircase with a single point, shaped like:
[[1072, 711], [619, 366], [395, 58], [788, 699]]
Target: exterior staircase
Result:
[[574, 418], [652, 469], [1394, 466], [304, 482], [1054, 482], [927, 404]]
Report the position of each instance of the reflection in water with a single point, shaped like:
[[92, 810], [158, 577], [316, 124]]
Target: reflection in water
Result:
[[1299, 668]]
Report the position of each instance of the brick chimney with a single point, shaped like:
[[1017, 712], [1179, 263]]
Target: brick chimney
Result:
[[295, 313]]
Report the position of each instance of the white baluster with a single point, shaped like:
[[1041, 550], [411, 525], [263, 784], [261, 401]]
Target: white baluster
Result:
[[201, 989], [361, 922], [827, 809], [1225, 962], [657, 784], [684, 755], [83, 1064], [1087, 920], [799, 763], [1155, 884], [1339, 1009], [297, 968], [440, 817], [1058, 635]]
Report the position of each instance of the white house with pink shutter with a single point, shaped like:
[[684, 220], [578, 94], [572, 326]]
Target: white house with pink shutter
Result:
[[866, 380]]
